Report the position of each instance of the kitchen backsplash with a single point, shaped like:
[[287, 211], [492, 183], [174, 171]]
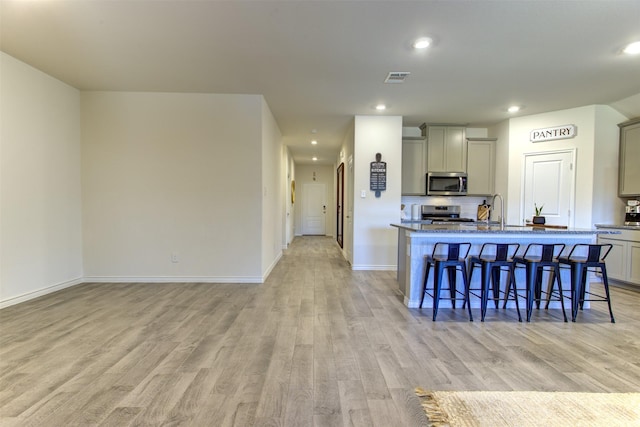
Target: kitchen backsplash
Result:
[[468, 204]]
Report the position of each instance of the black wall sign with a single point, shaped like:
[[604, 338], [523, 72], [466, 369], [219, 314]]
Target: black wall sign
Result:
[[378, 175]]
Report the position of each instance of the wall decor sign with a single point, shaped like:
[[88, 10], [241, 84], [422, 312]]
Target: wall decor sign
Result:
[[378, 175], [550, 134]]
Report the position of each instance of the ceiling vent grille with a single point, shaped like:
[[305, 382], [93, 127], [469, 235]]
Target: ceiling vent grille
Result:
[[396, 77]]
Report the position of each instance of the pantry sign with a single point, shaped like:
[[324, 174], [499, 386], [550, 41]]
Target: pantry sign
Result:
[[549, 134]]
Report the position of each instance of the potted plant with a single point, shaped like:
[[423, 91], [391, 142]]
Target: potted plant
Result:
[[538, 218]]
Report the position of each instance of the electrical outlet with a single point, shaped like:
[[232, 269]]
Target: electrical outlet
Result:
[[174, 256]]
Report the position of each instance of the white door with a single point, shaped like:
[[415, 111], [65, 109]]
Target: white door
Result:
[[549, 181], [314, 209]]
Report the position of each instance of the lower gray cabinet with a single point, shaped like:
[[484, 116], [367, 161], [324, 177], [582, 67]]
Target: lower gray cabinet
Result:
[[623, 262]]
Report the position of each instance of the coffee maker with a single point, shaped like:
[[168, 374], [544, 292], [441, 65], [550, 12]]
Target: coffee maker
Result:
[[632, 213]]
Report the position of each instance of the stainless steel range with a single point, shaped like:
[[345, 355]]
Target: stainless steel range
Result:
[[443, 213]]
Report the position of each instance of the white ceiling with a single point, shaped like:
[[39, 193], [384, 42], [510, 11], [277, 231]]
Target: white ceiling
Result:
[[319, 63]]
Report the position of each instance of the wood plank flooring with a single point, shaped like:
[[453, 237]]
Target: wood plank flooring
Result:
[[316, 345]]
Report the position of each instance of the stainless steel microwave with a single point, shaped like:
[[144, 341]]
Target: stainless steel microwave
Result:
[[446, 184]]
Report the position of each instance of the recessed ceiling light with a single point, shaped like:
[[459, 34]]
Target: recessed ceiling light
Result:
[[422, 43], [314, 159], [632, 48], [314, 142], [381, 107], [513, 109]]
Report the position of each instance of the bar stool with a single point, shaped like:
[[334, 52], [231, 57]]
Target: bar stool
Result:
[[538, 258], [495, 258], [446, 256], [581, 264]]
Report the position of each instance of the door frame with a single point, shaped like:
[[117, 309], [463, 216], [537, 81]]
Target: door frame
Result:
[[572, 195], [340, 204]]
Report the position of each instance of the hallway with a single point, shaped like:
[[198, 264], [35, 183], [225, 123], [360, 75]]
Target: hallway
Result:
[[316, 345]]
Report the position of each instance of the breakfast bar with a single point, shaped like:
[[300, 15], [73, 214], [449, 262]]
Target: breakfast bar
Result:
[[417, 239]]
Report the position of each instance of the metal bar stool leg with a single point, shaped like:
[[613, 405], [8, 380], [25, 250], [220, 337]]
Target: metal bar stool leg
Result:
[[437, 284], [576, 289], [556, 276], [605, 282], [451, 275], [486, 272], [532, 269]]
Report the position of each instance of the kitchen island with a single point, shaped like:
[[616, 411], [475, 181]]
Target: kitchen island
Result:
[[417, 239]]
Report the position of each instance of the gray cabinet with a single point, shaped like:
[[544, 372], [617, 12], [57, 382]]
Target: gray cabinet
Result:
[[623, 262], [446, 149], [629, 178], [481, 166], [413, 166]]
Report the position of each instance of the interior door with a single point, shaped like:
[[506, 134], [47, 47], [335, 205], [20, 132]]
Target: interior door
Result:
[[314, 208], [549, 181], [340, 204]]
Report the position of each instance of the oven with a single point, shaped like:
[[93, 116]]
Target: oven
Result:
[[443, 213]]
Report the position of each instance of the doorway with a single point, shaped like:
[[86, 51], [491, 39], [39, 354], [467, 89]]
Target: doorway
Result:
[[549, 182], [314, 209], [340, 204]]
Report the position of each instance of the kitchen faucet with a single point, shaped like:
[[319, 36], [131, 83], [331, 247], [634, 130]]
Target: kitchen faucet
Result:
[[493, 203]]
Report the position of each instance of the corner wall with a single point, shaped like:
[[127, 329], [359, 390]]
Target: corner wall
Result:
[[346, 156], [607, 207], [501, 132], [272, 191], [40, 195], [375, 242]]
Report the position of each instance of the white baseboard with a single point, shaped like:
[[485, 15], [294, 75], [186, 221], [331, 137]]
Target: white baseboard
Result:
[[169, 279], [271, 267], [364, 267], [140, 279], [40, 292], [411, 303]]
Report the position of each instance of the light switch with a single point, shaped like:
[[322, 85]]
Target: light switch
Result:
[[363, 194]]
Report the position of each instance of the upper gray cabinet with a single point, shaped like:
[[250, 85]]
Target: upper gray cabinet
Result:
[[413, 166], [481, 166], [446, 149], [629, 179]]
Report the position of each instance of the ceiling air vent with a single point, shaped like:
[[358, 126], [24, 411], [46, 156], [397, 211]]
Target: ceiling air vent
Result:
[[396, 77]]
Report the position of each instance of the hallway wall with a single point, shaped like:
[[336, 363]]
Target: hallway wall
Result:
[[40, 197]]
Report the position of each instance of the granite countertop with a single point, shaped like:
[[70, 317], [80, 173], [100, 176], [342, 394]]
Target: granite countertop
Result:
[[484, 228], [619, 226]]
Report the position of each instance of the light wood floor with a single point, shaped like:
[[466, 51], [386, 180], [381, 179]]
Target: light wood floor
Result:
[[317, 344]]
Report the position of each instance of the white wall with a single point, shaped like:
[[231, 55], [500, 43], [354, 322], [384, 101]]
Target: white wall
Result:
[[40, 196], [167, 173], [501, 132], [288, 221], [272, 191], [596, 127], [324, 174], [607, 207], [346, 156], [375, 242]]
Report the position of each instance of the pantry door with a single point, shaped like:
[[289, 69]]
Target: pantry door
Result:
[[549, 181]]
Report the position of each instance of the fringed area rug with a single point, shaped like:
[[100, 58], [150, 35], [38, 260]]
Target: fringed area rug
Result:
[[529, 408]]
